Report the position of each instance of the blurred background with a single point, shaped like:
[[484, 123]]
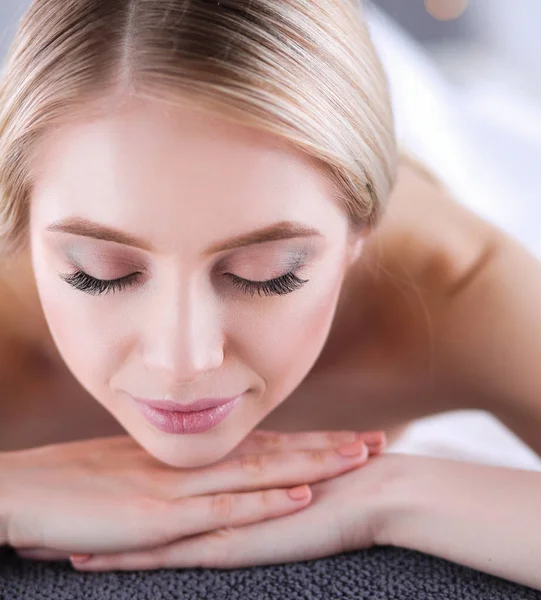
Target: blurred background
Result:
[[466, 78], [466, 84]]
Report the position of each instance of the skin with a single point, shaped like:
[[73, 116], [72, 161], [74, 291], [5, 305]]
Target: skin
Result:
[[182, 180], [430, 318]]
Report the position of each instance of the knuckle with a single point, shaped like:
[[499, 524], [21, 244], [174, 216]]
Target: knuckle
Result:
[[222, 505], [340, 437], [317, 457], [273, 439], [333, 437], [253, 464], [266, 498], [267, 440]]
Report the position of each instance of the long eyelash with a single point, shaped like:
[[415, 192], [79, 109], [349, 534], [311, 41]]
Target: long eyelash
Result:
[[84, 282], [280, 286]]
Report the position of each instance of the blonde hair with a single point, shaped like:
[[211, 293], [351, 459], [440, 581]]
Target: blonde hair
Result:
[[304, 70]]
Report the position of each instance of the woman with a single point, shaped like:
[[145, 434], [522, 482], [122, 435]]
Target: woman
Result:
[[161, 162]]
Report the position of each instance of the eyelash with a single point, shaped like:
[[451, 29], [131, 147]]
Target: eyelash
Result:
[[274, 287]]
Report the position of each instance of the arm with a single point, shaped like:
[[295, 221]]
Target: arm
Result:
[[481, 516]]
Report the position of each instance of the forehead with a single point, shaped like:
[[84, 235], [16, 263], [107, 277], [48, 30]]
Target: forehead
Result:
[[187, 166]]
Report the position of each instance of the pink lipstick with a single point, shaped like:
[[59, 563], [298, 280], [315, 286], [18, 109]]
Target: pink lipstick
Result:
[[195, 417]]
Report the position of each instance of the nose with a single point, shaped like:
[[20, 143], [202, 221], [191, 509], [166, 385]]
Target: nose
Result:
[[184, 337]]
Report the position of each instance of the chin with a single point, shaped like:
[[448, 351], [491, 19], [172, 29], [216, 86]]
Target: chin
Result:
[[187, 461], [186, 455]]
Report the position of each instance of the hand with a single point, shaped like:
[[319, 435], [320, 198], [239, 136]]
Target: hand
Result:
[[109, 495], [345, 514]]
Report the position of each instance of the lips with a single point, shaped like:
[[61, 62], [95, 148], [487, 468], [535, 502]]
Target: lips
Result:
[[196, 417], [198, 405]]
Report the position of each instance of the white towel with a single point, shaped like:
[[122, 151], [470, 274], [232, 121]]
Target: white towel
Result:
[[471, 435]]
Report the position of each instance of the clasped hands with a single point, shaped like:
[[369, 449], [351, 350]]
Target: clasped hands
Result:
[[108, 501]]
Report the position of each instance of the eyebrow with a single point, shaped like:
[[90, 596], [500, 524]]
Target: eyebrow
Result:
[[281, 230]]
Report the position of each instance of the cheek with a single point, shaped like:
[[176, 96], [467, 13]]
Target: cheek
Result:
[[284, 345], [83, 331]]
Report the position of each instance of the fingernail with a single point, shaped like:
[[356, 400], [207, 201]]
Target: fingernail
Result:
[[80, 558], [301, 492], [354, 449]]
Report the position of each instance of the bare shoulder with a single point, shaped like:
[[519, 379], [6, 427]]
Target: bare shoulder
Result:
[[482, 291], [22, 323], [24, 336], [11, 330], [21, 334], [428, 235], [426, 249], [417, 265]]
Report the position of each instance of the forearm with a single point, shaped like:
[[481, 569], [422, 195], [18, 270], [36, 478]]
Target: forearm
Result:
[[481, 516]]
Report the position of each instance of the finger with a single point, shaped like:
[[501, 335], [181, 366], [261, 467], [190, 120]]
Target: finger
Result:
[[278, 469], [167, 521], [222, 496], [263, 441], [150, 522], [377, 447], [276, 541], [41, 554]]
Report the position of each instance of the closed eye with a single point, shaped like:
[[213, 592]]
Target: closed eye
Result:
[[90, 285]]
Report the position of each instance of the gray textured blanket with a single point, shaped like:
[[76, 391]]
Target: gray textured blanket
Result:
[[385, 573]]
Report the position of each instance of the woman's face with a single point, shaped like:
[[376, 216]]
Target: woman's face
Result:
[[147, 196]]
